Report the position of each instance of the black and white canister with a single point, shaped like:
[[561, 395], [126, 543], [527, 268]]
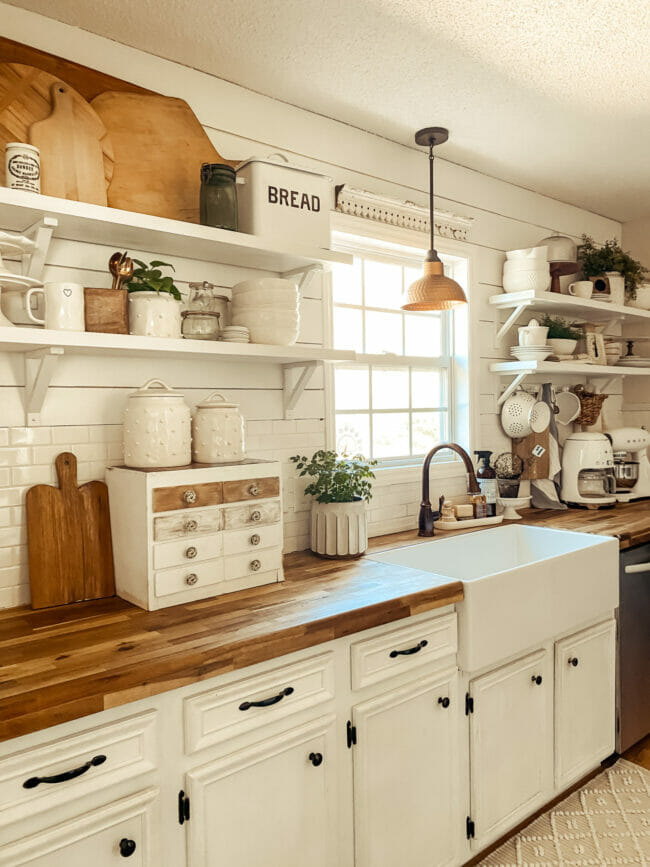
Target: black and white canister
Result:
[[23, 166]]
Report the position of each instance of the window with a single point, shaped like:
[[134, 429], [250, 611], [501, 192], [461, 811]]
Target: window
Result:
[[400, 399]]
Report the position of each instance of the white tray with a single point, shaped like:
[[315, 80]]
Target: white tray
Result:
[[467, 524]]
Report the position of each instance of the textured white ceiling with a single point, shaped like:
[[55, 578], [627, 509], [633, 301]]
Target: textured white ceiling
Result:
[[553, 95]]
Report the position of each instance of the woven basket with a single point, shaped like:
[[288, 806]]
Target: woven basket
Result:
[[591, 404]]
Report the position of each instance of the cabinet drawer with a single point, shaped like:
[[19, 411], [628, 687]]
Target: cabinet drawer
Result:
[[403, 649], [253, 702], [187, 496], [184, 551], [180, 526], [251, 515], [250, 489], [194, 576], [238, 541], [61, 771], [241, 565]]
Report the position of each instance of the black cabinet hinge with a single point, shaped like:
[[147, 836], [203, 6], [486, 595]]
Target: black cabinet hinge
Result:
[[469, 828], [183, 808], [351, 732], [469, 704]]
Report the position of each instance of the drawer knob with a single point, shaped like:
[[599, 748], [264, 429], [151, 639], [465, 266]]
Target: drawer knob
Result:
[[537, 679], [191, 525], [316, 759], [190, 496], [255, 539], [573, 661], [192, 579], [127, 847], [32, 782], [256, 565], [444, 702], [410, 650], [191, 552], [253, 490], [256, 515]]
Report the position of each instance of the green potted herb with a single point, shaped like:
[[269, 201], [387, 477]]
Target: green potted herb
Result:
[[341, 487], [611, 261], [562, 335], [154, 301]]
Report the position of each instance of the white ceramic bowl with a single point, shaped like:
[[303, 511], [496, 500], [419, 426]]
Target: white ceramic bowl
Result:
[[274, 335], [526, 353], [642, 299], [265, 287], [246, 315], [524, 281], [527, 254], [265, 305], [525, 265], [562, 346]]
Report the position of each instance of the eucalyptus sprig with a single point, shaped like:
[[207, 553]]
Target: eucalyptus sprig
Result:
[[337, 479], [595, 261], [149, 278]]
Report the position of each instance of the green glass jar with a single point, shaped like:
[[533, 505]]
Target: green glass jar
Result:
[[218, 201]]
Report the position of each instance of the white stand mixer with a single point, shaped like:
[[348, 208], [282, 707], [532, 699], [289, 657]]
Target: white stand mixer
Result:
[[632, 473]]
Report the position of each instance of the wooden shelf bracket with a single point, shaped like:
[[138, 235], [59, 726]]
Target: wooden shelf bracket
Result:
[[294, 387], [39, 369]]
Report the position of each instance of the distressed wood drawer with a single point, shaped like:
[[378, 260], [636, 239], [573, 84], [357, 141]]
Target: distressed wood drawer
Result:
[[97, 758], [229, 711], [401, 650], [194, 576], [241, 565], [187, 496], [182, 552], [240, 541], [250, 489], [251, 515], [180, 525]]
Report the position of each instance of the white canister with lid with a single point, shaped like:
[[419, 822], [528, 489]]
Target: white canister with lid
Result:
[[217, 431], [22, 166], [157, 427]]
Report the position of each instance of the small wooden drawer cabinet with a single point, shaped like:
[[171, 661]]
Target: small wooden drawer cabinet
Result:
[[198, 531]]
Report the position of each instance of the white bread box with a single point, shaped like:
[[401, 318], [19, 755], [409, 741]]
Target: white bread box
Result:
[[282, 202]]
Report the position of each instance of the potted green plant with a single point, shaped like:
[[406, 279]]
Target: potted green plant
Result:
[[341, 487], [562, 335], [154, 301], [625, 274]]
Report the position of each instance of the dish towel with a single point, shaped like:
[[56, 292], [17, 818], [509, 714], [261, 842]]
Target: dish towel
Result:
[[545, 493]]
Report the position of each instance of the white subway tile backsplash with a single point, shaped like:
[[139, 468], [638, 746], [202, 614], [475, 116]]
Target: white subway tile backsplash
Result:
[[70, 434], [15, 457], [34, 475], [4, 436], [19, 436]]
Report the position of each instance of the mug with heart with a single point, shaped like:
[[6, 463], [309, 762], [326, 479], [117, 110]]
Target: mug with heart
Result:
[[64, 306]]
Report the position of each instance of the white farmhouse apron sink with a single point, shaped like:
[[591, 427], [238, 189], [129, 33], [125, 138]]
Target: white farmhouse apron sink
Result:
[[521, 585]]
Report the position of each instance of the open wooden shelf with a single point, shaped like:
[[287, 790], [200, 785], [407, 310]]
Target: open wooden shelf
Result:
[[569, 368]]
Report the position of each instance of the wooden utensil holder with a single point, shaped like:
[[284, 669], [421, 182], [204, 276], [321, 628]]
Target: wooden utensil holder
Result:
[[106, 310]]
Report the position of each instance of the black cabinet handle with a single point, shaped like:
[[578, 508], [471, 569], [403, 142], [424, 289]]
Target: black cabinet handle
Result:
[[537, 678], [573, 660], [409, 651], [316, 759], [444, 701], [266, 702], [32, 782], [127, 847]]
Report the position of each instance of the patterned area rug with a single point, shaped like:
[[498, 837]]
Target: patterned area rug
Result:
[[605, 822]]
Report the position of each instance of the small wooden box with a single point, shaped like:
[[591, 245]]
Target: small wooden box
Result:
[[106, 310]]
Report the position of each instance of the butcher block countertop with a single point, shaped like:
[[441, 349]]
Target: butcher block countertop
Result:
[[59, 664]]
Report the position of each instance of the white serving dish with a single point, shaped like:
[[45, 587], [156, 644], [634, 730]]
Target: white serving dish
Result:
[[562, 346], [527, 254], [516, 265], [523, 281], [529, 353]]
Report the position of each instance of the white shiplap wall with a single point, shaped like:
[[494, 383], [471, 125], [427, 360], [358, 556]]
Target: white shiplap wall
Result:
[[83, 409]]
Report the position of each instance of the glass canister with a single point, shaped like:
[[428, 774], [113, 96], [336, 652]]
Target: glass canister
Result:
[[218, 200], [217, 431], [157, 427]]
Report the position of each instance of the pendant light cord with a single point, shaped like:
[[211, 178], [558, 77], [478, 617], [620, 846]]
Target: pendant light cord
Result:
[[431, 247]]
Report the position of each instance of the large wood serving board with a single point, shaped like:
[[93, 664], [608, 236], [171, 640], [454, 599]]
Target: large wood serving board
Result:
[[534, 467]]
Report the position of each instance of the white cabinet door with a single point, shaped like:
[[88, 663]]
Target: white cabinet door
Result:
[[511, 737], [407, 777], [105, 837], [585, 706], [272, 804]]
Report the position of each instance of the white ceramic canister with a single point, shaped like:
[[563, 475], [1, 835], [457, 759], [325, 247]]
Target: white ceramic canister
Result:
[[22, 167], [154, 314], [157, 427], [217, 431]]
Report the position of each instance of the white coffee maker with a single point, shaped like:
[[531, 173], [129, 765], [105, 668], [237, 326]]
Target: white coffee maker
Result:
[[588, 471], [631, 464]]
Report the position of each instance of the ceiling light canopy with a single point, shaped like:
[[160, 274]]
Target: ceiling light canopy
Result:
[[433, 291]]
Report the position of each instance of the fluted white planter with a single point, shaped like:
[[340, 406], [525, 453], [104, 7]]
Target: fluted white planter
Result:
[[339, 529]]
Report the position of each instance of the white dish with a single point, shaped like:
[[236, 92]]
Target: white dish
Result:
[[517, 265], [527, 254], [524, 281], [10, 280], [510, 506], [525, 353], [634, 362]]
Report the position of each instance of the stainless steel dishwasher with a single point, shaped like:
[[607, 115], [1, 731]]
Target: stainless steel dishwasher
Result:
[[633, 658]]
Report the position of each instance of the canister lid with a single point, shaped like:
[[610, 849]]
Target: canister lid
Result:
[[155, 388], [216, 401], [282, 162]]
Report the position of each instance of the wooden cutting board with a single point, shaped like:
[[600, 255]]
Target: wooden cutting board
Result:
[[159, 146], [534, 467], [69, 539], [26, 99]]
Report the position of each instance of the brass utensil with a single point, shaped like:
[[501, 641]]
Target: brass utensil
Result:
[[124, 271], [113, 263]]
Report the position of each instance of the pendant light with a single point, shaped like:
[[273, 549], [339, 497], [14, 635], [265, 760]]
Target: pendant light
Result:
[[434, 291]]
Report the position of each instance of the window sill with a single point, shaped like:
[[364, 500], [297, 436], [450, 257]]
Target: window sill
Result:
[[385, 476]]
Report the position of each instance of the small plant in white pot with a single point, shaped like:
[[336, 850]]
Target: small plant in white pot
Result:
[[341, 488], [154, 301]]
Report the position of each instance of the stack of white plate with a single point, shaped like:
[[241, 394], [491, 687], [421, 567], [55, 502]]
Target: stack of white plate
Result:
[[526, 269], [634, 361], [235, 334], [268, 307], [531, 353]]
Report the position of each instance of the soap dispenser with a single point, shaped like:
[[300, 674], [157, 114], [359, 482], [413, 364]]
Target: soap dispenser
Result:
[[487, 479]]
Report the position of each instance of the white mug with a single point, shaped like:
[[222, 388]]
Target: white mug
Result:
[[64, 306], [581, 289]]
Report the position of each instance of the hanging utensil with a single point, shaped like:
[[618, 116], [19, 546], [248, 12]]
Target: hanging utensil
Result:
[[124, 271]]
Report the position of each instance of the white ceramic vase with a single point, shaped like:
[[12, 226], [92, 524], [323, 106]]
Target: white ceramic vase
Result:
[[339, 530], [642, 299], [154, 314], [217, 431], [616, 287], [157, 428]]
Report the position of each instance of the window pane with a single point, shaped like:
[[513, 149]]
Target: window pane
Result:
[[390, 435], [352, 389], [390, 389], [429, 428], [353, 434], [347, 329], [346, 282], [426, 388], [383, 284], [423, 335], [384, 333]]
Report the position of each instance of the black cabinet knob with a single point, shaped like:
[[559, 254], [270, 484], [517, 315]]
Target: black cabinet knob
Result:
[[127, 847], [573, 660], [316, 759], [537, 678], [444, 701]]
